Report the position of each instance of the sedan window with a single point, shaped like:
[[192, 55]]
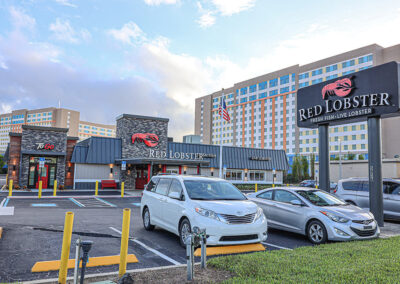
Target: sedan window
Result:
[[266, 195], [320, 198], [162, 186], [391, 188], [284, 196]]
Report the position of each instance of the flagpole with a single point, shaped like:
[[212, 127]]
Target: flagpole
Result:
[[220, 139]]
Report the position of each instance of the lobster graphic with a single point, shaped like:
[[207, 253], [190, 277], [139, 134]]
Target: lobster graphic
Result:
[[149, 139], [340, 88]]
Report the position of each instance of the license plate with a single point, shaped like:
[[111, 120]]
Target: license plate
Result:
[[367, 227]]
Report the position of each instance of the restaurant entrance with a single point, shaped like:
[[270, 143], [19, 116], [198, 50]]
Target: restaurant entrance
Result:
[[46, 173]]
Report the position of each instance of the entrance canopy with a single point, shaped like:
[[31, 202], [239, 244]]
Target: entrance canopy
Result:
[[177, 162]]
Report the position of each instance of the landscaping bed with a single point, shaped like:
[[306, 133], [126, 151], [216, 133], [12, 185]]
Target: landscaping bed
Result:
[[376, 261]]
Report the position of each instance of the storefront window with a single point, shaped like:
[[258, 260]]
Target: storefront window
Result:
[[233, 175], [257, 176]]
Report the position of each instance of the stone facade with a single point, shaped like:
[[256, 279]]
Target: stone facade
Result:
[[128, 178], [127, 125], [14, 157]]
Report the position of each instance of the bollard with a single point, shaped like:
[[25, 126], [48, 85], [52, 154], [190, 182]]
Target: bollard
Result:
[[256, 188], [10, 187], [97, 188], [287, 185], [316, 186], [189, 256], [40, 189], [203, 244], [122, 189], [77, 259], [273, 185], [66, 245], [55, 188], [124, 241]]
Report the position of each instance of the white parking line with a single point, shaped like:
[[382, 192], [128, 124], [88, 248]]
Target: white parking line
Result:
[[149, 248], [76, 202], [268, 244]]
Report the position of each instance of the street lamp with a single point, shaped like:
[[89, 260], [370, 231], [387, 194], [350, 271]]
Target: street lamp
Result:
[[340, 159]]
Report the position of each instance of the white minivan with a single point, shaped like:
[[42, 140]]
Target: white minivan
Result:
[[179, 203]]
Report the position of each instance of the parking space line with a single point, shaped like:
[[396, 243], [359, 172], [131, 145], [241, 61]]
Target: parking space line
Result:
[[76, 202], [149, 248], [106, 202], [5, 202], [44, 205], [269, 244]]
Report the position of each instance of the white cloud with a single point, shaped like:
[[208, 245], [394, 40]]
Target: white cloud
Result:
[[5, 108], [130, 33], [158, 2], [66, 3], [230, 7], [21, 20], [63, 31], [206, 20]]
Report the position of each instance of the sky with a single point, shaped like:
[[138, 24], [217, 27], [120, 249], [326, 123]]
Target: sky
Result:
[[154, 57]]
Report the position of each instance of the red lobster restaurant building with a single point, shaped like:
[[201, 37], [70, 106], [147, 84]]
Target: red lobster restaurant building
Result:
[[140, 150]]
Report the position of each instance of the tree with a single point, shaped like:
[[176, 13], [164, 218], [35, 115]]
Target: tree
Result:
[[2, 162], [304, 167], [296, 169], [312, 165], [351, 156], [361, 157]]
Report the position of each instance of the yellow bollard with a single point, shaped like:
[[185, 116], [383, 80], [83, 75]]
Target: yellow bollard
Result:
[[287, 185], [55, 188], [316, 186], [124, 241], [10, 187], [256, 188], [66, 245], [273, 185], [40, 189], [97, 188], [122, 189]]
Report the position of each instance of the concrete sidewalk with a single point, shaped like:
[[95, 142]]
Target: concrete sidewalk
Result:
[[390, 229]]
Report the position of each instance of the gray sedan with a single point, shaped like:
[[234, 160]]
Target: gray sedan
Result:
[[314, 213]]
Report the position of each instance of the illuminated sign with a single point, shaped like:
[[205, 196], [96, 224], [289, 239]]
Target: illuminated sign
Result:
[[44, 146]]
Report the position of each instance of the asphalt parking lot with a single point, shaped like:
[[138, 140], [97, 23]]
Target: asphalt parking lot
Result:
[[34, 233]]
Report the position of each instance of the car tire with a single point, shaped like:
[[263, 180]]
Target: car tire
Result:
[[316, 232], [184, 229], [146, 220]]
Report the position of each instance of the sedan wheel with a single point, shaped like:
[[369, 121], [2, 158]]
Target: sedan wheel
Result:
[[316, 232], [184, 231]]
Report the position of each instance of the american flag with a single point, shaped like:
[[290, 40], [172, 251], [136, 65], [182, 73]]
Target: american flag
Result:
[[223, 111]]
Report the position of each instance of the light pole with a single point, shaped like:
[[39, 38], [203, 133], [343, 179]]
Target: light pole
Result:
[[340, 159]]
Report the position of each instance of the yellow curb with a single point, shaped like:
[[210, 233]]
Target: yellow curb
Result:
[[51, 265], [1, 231], [231, 249]]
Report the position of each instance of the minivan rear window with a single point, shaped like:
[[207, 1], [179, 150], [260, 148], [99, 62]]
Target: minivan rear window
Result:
[[351, 185]]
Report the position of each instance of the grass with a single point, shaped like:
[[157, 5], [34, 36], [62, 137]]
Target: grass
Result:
[[376, 261]]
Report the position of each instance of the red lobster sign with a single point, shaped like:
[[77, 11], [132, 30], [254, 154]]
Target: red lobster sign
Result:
[[340, 88], [149, 139]]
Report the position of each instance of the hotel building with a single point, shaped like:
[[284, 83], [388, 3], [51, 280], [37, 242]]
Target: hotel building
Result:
[[263, 109], [50, 117]]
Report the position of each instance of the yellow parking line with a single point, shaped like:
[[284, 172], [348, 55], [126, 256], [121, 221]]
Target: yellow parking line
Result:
[[42, 266], [231, 249]]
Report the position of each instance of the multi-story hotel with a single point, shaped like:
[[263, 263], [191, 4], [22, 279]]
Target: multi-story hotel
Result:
[[263, 109], [51, 117]]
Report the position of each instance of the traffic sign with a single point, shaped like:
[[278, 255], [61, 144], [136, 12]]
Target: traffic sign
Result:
[[41, 162], [123, 165]]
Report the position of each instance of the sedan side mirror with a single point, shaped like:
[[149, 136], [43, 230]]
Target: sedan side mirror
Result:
[[296, 202]]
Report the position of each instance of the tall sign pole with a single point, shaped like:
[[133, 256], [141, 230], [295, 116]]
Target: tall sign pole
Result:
[[220, 139], [323, 147]]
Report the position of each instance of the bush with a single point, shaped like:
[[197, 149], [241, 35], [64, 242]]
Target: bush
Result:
[[251, 186]]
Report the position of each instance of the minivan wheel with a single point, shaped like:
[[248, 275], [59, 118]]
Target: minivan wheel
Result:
[[184, 231], [316, 232], [351, 202], [146, 220]]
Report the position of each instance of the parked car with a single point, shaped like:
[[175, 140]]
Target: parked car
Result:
[[356, 191], [180, 203], [313, 184], [315, 213]]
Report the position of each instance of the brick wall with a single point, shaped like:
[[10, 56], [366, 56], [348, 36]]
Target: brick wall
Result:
[[14, 158], [69, 176]]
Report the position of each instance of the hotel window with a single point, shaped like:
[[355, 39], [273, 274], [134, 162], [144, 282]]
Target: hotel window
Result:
[[362, 126], [284, 90], [354, 137], [273, 83], [273, 93], [262, 85], [331, 77], [331, 68], [316, 81], [348, 72], [262, 95], [252, 88], [317, 72], [362, 136], [243, 91], [252, 98], [293, 77], [303, 76], [284, 79], [362, 146], [243, 100], [304, 84], [353, 147], [346, 147]]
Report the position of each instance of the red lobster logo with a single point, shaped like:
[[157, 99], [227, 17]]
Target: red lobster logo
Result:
[[340, 88], [150, 139]]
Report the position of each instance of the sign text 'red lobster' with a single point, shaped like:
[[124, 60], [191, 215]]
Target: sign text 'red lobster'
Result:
[[340, 88], [149, 139]]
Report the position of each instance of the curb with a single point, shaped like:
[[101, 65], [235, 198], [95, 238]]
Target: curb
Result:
[[89, 276]]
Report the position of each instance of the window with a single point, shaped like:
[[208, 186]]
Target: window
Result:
[[233, 175], [266, 195], [273, 93], [175, 187], [303, 76], [152, 184], [317, 72], [284, 90], [253, 88], [243, 100], [284, 79], [331, 68], [331, 77], [262, 85], [273, 83], [162, 186], [256, 176], [316, 81], [262, 95], [252, 98], [391, 188], [351, 185], [284, 196], [243, 91], [304, 84]]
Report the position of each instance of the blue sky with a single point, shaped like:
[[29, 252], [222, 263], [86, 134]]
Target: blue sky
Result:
[[154, 57]]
